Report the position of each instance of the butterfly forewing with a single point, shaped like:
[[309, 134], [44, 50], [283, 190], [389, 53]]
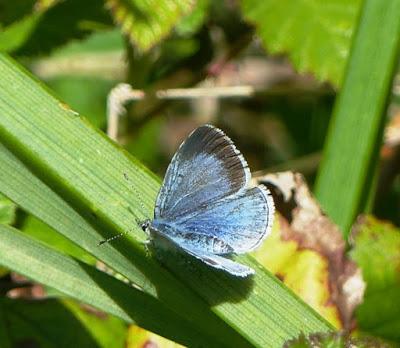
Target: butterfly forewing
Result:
[[206, 168]]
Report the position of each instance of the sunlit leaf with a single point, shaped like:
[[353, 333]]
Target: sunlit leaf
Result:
[[345, 183], [40, 231], [306, 249], [7, 210], [377, 252], [138, 337], [315, 34], [303, 270], [75, 179], [86, 284], [144, 25]]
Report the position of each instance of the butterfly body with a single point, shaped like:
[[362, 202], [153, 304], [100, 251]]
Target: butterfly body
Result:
[[205, 206], [191, 240]]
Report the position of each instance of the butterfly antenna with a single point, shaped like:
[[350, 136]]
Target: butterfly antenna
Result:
[[108, 240], [142, 207]]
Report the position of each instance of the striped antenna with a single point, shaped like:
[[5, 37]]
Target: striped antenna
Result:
[[113, 237]]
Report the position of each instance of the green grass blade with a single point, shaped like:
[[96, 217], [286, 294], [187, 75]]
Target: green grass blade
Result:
[[31, 194], [87, 284], [345, 177], [18, 183], [79, 164]]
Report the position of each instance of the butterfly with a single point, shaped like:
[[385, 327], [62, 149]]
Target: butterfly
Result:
[[205, 207]]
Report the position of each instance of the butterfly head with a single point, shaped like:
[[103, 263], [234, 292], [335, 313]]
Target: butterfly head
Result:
[[144, 225]]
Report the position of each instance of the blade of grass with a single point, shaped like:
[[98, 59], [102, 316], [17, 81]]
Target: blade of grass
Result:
[[21, 185], [86, 169], [346, 174], [31, 194], [85, 283], [34, 196]]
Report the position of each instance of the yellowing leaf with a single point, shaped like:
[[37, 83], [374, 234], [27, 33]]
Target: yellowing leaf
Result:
[[304, 271], [140, 338], [307, 252]]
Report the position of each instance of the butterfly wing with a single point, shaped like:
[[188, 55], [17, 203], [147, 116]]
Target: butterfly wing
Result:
[[219, 262], [206, 168], [241, 221]]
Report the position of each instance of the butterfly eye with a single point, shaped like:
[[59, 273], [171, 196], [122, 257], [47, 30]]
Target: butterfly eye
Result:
[[145, 225]]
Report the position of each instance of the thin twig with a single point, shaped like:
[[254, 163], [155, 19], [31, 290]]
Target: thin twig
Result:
[[206, 92], [117, 98]]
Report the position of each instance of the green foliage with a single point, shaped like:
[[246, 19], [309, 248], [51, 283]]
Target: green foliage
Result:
[[11, 11], [303, 269], [376, 251], [63, 324], [51, 26], [334, 340], [87, 94], [17, 33], [40, 231], [315, 34], [85, 283], [189, 24], [66, 177], [69, 145], [345, 178], [144, 26], [7, 211]]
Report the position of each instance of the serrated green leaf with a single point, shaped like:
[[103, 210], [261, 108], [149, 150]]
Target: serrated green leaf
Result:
[[147, 22], [315, 34], [59, 321], [68, 158], [7, 210], [377, 253]]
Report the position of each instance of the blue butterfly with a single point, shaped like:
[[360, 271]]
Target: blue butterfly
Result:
[[205, 207]]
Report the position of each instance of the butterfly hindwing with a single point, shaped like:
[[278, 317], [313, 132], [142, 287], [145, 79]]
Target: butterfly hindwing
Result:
[[219, 262], [241, 221]]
